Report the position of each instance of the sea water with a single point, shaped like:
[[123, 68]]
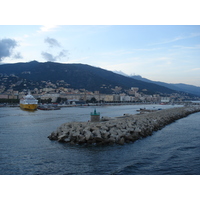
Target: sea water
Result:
[[26, 150]]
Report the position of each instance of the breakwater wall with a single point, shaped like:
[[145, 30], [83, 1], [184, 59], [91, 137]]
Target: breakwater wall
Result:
[[120, 130]]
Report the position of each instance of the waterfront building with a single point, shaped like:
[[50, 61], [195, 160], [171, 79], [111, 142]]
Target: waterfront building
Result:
[[165, 99]]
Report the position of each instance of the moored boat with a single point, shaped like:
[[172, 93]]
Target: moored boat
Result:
[[28, 102]]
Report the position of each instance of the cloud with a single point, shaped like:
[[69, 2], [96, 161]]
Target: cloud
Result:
[[192, 35], [47, 28], [6, 48], [62, 54], [197, 46], [18, 55], [49, 57], [195, 69], [52, 42]]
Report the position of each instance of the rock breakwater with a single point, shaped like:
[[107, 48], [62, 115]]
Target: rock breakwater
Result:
[[120, 130]]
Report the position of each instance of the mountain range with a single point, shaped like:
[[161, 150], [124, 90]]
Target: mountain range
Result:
[[191, 89], [83, 76], [174, 86]]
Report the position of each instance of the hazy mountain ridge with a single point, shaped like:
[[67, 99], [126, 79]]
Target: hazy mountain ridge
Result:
[[80, 76], [174, 86]]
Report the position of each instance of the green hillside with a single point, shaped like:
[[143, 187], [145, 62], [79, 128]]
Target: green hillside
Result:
[[79, 76]]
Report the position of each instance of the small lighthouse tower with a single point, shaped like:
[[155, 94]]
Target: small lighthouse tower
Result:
[[95, 116]]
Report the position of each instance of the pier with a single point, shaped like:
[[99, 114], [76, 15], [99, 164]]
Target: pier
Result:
[[119, 130]]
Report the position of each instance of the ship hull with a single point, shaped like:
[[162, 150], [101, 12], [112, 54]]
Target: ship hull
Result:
[[28, 106]]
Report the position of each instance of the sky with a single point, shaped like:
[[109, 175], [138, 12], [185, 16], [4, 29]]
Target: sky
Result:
[[158, 52]]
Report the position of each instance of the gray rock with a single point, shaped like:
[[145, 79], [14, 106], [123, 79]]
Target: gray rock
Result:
[[121, 141], [88, 135]]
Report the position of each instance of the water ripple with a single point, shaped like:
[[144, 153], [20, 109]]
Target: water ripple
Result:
[[25, 148]]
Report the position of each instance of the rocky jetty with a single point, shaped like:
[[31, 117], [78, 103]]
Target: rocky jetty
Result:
[[120, 130]]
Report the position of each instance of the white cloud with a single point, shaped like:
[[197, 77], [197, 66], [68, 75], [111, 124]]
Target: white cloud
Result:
[[184, 47], [47, 28], [192, 35], [195, 69]]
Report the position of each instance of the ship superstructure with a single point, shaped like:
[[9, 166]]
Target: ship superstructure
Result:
[[29, 102]]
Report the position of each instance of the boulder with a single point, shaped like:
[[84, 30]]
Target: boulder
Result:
[[137, 130], [61, 138], [121, 141], [88, 135], [81, 139], [105, 118]]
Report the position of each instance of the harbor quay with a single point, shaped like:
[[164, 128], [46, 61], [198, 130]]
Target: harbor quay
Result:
[[119, 130]]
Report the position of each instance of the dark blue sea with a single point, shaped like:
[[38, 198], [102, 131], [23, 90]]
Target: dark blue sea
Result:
[[26, 150]]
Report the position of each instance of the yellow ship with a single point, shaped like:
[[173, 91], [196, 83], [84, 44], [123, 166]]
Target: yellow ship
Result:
[[28, 102]]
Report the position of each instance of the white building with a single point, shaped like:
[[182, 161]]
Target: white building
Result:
[[50, 96], [165, 99]]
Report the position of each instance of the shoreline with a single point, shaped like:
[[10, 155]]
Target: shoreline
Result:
[[119, 130], [105, 104]]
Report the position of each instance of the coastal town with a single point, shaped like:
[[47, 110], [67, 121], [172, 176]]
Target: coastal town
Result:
[[12, 89]]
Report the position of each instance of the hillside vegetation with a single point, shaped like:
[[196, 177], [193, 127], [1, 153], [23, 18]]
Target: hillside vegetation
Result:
[[79, 76]]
